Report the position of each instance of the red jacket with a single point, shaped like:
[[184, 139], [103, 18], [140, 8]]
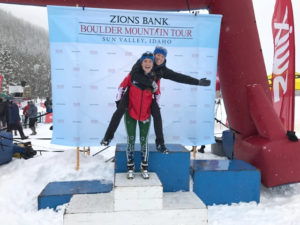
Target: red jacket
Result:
[[139, 106], [25, 110]]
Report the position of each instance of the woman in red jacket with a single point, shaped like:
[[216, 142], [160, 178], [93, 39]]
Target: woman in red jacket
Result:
[[139, 109]]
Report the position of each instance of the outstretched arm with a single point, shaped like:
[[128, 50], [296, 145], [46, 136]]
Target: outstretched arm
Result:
[[181, 78]]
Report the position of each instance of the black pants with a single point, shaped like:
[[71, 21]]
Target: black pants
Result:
[[16, 126], [118, 114], [32, 122], [25, 121], [157, 121]]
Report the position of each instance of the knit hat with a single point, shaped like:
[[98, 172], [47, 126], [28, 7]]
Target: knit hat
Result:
[[147, 55], [160, 50]]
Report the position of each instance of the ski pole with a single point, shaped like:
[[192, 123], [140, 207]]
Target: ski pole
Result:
[[230, 128], [101, 150]]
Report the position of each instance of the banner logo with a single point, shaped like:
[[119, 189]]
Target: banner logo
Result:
[[281, 55], [283, 74]]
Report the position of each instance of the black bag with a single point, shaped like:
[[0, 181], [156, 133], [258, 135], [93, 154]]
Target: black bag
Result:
[[25, 150]]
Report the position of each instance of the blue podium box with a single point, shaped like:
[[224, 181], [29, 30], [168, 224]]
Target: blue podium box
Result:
[[225, 181], [228, 143], [59, 193], [172, 168]]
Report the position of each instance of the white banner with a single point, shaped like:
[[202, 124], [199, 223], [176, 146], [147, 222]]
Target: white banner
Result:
[[92, 50]]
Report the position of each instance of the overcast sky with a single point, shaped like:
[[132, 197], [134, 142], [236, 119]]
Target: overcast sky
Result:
[[263, 12]]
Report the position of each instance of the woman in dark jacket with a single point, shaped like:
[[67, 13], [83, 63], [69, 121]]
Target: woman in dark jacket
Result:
[[14, 120]]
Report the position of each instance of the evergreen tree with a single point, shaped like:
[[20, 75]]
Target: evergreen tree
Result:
[[24, 55]]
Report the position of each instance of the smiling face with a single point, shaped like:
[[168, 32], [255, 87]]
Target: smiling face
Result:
[[159, 59], [147, 65]]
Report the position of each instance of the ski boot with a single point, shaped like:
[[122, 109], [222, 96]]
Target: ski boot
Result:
[[162, 148], [144, 170], [23, 137], [130, 170], [105, 142], [201, 149], [33, 129]]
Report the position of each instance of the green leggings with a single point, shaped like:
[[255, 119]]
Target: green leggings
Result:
[[144, 126]]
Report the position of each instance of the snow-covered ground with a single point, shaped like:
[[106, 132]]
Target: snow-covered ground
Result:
[[21, 181]]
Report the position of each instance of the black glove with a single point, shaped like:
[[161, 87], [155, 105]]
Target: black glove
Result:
[[292, 135], [117, 103], [204, 82]]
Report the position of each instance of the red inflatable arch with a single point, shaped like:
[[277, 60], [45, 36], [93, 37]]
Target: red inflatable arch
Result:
[[262, 140]]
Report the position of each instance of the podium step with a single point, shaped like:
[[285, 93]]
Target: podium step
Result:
[[136, 202], [138, 193], [138, 187], [59, 193], [179, 208]]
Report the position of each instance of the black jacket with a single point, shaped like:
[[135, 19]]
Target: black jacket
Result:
[[143, 81], [160, 72]]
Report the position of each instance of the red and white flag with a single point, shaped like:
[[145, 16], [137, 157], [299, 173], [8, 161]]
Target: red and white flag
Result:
[[283, 74]]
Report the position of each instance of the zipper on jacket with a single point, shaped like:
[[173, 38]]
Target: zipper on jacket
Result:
[[141, 106]]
